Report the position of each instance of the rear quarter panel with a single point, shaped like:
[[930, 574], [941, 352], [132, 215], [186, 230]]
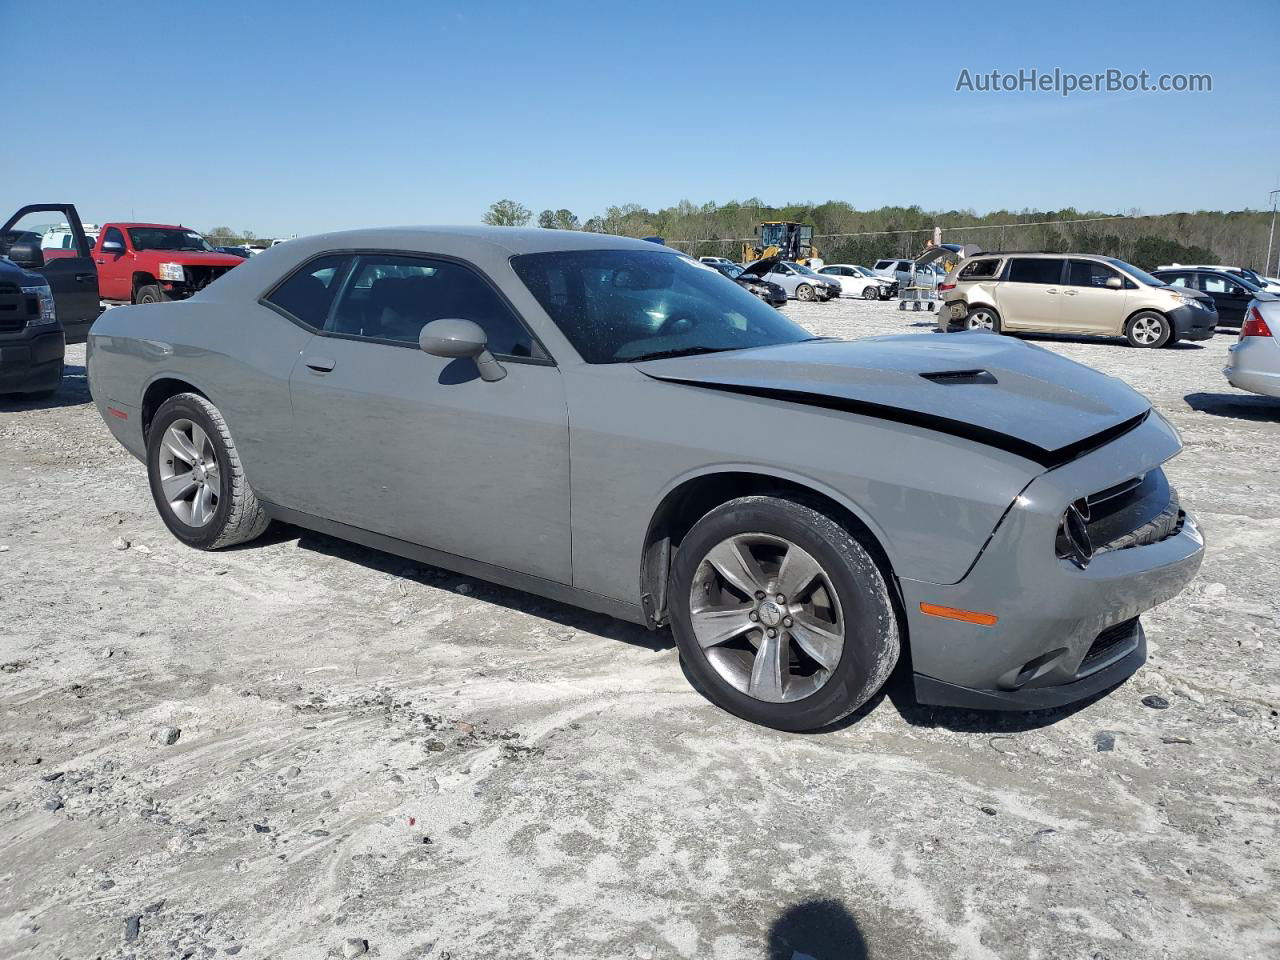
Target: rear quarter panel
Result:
[[239, 355]]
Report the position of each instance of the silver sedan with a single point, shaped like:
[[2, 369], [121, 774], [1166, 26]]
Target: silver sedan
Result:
[[1254, 363]]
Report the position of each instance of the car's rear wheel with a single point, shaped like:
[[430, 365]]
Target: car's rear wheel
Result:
[[982, 318], [782, 616], [1147, 329], [871, 292], [196, 478], [804, 292], [150, 293]]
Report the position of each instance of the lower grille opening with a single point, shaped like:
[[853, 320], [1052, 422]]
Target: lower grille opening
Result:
[[1122, 636]]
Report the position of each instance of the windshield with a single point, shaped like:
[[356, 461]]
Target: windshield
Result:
[[801, 268], [616, 306], [730, 270], [863, 271], [1140, 275], [163, 238]]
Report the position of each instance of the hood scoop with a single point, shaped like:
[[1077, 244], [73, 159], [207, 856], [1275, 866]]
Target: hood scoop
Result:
[[955, 377]]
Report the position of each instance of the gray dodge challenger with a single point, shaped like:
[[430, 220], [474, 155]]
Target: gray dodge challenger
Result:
[[607, 423]]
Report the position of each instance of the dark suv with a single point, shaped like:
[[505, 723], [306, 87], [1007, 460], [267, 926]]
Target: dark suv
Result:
[[31, 340], [1230, 293]]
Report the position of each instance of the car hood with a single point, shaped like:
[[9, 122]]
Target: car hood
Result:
[[758, 268], [980, 386]]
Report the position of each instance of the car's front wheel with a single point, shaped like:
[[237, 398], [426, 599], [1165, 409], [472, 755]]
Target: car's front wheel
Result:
[[871, 292], [1147, 329], [782, 616], [196, 478], [150, 293], [804, 292]]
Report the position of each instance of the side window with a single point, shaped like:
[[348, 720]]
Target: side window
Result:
[[1088, 273], [113, 236], [979, 269], [308, 293], [1212, 283], [392, 298], [1035, 271], [1176, 279]]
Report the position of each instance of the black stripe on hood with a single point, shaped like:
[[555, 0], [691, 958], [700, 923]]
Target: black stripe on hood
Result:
[[928, 421]]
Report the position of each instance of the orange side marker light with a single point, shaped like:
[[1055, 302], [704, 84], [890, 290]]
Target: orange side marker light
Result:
[[964, 616]]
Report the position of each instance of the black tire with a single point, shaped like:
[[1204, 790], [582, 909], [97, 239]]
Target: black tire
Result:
[[150, 293], [871, 644], [871, 291], [1138, 331], [972, 321], [804, 292], [238, 517]]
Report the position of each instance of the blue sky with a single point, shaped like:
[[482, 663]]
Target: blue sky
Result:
[[286, 117]]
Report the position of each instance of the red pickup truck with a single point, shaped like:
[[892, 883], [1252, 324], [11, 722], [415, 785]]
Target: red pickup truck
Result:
[[152, 262]]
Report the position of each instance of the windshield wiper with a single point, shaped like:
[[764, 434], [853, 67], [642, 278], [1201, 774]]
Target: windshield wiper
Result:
[[677, 352]]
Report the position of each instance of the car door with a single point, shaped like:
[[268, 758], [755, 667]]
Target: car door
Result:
[[1089, 305], [1030, 298], [1231, 298], [72, 278], [784, 277], [420, 448], [113, 258]]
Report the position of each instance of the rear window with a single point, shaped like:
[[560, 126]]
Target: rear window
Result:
[[978, 269], [1035, 271]]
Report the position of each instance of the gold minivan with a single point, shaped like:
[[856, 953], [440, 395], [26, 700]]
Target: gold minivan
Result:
[[1072, 293]]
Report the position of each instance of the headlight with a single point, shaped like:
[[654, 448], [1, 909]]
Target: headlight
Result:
[[172, 271], [1187, 301], [48, 312]]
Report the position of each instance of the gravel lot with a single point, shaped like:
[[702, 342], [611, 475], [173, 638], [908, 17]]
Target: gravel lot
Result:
[[384, 757]]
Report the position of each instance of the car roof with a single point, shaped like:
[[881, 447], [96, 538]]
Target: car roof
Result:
[[156, 226], [512, 240]]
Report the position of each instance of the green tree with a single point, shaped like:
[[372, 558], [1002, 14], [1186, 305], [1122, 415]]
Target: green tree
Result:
[[547, 220], [507, 213]]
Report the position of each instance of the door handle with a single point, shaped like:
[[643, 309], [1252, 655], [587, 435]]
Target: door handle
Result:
[[1051, 290], [1069, 293], [83, 277], [100, 260], [319, 364]]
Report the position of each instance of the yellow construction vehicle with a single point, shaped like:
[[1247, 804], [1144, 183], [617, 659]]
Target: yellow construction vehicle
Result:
[[781, 238]]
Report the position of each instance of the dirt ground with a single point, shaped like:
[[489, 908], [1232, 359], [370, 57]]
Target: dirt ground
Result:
[[379, 757]]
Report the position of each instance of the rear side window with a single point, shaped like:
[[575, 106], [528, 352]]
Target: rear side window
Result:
[[979, 269], [1176, 279], [1035, 271], [1088, 273], [308, 294]]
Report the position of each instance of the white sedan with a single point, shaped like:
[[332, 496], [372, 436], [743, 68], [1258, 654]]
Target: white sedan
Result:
[[858, 281]]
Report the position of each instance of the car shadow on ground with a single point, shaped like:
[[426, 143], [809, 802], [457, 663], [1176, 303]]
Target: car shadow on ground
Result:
[[564, 614], [817, 929], [72, 392], [1097, 341], [1237, 406]]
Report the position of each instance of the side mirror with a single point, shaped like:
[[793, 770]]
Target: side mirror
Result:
[[454, 338], [27, 254], [1114, 283], [112, 246]]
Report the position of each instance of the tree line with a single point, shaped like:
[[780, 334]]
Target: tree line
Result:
[[846, 235]]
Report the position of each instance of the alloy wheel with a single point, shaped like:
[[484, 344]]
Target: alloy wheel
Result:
[[767, 618], [981, 320], [1147, 330], [189, 474]]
